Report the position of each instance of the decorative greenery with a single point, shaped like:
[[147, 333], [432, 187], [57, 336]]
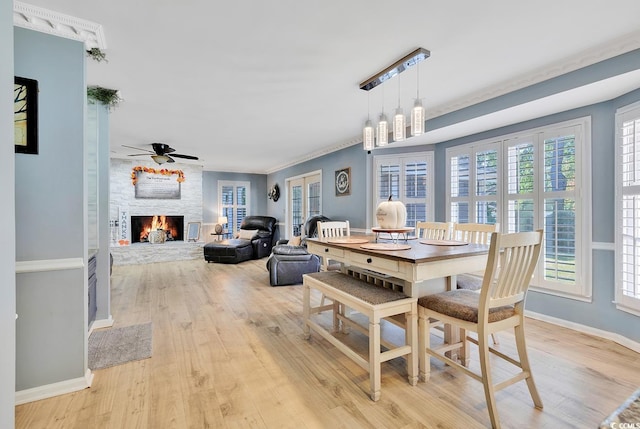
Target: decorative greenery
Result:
[[106, 96], [97, 55], [163, 171]]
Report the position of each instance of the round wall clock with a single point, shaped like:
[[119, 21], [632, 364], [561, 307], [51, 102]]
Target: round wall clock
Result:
[[343, 182]]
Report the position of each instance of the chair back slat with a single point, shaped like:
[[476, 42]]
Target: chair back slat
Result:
[[433, 230], [333, 229], [477, 233], [512, 260]]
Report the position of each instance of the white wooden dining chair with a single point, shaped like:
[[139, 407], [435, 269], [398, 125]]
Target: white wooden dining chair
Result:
[[477, 233], [332, 229], [498, 306], [433, 230], [326, 230]]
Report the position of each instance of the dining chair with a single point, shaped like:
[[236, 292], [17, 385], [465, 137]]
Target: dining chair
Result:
[[433, 230], [477, 233], [499, 306], [332, 229]]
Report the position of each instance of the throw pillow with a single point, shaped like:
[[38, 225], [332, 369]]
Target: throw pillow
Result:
[[247, 234], [295, 240]]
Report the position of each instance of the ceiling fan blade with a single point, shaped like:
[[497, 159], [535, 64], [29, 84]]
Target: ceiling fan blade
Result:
[[170, 159], [137, 148], [177, 155], [139, 154]]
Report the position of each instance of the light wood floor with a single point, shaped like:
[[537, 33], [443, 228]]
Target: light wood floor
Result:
[[228, 352]]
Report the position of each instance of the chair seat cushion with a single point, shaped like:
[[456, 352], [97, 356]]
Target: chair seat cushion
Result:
[[463, 304]]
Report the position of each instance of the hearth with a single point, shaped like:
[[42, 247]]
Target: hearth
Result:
[[157, 228]]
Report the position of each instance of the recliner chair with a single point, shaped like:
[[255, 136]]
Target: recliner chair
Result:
[[287, 263], [235, 250]]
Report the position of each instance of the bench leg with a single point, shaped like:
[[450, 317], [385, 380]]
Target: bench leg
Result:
[[411, 339], [374, 358], [306, 310], [336, 311]]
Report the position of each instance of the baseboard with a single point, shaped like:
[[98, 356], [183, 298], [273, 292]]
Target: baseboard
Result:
[[101, 323], [54, 389], [617, 338]]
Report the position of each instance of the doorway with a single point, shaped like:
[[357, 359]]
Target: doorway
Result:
[[304, 199]]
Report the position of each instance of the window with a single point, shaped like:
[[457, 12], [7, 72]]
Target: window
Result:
[[407, 178], [234, 202], [628, 209], [527, 181]]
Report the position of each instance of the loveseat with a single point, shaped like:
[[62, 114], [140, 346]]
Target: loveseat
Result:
[[254, 240]]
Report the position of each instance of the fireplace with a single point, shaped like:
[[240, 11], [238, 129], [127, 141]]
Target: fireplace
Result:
[[145, 229]]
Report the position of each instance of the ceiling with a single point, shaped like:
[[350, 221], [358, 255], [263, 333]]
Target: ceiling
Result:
[[256, 86]]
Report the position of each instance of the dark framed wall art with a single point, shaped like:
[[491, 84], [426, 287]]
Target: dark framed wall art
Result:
[[25, 102], [343, 182]]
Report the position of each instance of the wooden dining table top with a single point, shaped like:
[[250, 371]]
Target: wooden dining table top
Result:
[[417, 253]]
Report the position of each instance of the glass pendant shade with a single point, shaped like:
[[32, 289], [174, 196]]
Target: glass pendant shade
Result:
[[368, 136], [417, 118], [383, 131], [399, 126]]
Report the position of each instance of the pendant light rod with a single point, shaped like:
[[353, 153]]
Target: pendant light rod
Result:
[[396, 68]]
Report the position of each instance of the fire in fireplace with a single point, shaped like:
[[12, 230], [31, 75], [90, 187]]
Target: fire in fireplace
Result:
[[171, 228]]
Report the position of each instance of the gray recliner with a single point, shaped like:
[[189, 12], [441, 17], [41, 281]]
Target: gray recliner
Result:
[[288, 263]]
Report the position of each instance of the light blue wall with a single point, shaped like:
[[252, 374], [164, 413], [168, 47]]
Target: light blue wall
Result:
[[7, 218], [210, 193], [352, 207], [601, 312], [50, 215]]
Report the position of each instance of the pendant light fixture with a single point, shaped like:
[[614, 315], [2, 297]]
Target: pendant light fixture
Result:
[[399, 130], [367, 131], [399, 121], [383, 126], [417, 113]]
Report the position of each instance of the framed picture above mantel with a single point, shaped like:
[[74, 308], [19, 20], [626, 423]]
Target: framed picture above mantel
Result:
[[25, 117], [157, 183]]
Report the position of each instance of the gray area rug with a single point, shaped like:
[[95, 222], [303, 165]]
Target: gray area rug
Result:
[[110, 347]]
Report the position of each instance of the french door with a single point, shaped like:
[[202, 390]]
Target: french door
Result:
[[304, 199]]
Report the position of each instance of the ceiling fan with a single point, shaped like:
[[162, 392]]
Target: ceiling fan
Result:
[[160, 153]]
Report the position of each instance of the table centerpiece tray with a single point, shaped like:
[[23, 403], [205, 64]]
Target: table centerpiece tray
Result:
[[443, 242]]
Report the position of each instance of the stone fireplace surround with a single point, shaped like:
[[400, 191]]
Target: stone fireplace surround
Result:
[[122, 197]]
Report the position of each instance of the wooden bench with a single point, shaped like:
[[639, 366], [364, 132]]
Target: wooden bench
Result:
[[374, 302]]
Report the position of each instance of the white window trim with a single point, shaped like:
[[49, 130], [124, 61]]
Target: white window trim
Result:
[[622, 302], [234, 183], [582, 290], [428, 156]]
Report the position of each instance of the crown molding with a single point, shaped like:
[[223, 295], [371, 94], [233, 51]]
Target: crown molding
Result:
[[347, 143], [600, 53], [58, 24]]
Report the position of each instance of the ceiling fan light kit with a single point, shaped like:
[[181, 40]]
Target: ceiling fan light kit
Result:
[[418, 115]]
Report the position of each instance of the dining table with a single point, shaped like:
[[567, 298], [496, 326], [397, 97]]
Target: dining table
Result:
[[420, 266], [417, 266]]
